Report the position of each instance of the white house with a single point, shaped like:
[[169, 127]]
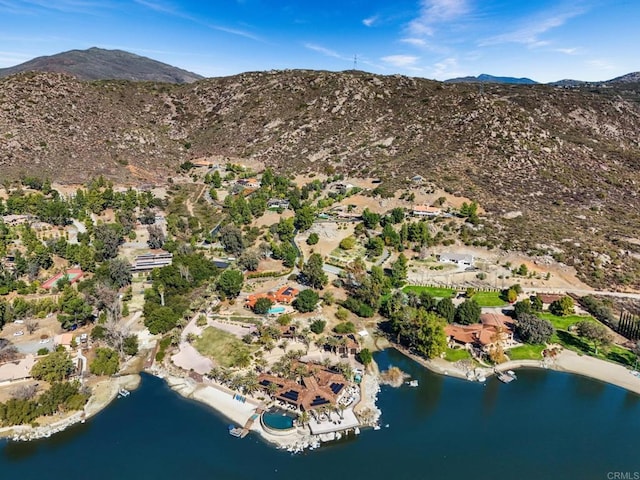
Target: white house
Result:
[[426, 211], [460, 259]]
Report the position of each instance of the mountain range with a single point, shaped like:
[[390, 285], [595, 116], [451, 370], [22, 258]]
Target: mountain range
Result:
[[100, 64], [557, 170]]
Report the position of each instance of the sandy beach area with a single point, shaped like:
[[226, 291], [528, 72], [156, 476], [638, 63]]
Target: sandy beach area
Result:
[[566, 361]]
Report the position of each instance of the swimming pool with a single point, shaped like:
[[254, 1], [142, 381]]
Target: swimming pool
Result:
[[278, 419], [274, 310]]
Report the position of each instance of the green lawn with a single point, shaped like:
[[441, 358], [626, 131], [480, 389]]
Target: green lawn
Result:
[[489, 299], [563, 323], [223, 347], [613, 353], [440, 292], [526, 352], [456, 354]]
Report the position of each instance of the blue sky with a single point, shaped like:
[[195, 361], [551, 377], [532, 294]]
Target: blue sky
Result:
[[545, 40]]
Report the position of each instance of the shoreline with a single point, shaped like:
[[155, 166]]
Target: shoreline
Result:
[[221, 399], [104, 393], [567, 361]]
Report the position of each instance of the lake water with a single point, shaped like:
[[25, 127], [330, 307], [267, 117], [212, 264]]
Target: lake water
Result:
[[546, 425]]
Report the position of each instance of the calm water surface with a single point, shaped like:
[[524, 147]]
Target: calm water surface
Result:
[[546, 425]]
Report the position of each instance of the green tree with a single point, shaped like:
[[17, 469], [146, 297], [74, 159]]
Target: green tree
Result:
[[312, 273], [399, 271], [231, 239], [562, 307], [313, 239], [230, 283], [365, 357], [130, 345], [304, 218], [347, 243], [216, 179], [55, 367], [106, 362], [595, 332], [262, 306], [468, 312], [318, 326], [374, 246], [531, 329], [370, 219], [306, 301], [446, 309]]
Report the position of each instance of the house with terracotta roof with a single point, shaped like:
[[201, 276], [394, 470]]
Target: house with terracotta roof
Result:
[[493, 328], [318, 388], [249, 182], [284, 295]]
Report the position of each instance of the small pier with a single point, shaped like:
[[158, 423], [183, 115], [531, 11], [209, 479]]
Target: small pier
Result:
[[506, 377]]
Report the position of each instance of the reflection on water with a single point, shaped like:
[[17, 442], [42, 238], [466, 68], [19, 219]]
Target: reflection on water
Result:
[[545, 425]]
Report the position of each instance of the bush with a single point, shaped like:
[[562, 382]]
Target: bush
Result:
[[345, 327], [359, 308], [43, 351], [365, 357], [562, 307], [317, 326], [313, 239], [348, 243], [130, 345], [342, 313]]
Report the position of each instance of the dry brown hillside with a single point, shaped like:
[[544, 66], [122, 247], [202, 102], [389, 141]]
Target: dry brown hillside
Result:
[[567, 159]]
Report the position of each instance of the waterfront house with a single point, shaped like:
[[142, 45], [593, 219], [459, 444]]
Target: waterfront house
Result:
[[493, 329], [317, 388]]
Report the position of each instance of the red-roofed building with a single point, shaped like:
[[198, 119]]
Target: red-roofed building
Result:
[[493, 328], [284, 294]]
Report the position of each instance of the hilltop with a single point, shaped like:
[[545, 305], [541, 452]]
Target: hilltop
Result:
[[556, 169], [100, 64]]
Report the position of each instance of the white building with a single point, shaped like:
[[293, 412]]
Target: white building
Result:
[[460, 259]]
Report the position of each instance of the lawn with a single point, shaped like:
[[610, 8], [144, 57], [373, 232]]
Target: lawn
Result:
[[456, 354], [223, 347], [563, 323], [489, 299], [526, 352], [612, 353], [440, 292]]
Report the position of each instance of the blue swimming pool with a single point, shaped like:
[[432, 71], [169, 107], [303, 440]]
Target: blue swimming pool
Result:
[[278, 419], [274, 310]]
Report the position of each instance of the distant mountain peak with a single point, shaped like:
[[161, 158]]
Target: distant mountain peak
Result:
[[101, 64], [486, 78]]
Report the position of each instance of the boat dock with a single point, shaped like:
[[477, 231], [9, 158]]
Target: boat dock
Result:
[[506, 377]]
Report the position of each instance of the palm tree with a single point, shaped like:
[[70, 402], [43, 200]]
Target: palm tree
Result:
[[272, 389], [284, 344], [214, 373], [304, 417], [340, 409], [242, 359], [251, 384]]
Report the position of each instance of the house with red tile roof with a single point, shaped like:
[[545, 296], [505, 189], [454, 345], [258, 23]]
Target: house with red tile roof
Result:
[[284, 295], [493, 328]]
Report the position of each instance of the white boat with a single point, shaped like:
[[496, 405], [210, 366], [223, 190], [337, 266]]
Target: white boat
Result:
[[123, 393], [413, 383], [376, 427], [356, 431], [482, 378]]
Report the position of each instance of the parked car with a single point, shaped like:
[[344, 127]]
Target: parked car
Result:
[[19, 322], [18, 333], [45, 340]]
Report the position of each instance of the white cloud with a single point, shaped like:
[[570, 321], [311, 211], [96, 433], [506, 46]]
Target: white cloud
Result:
[[529, 33], [601, 64], [447, 68], [568, 51], [416, 42], [368, 22], [433, 12], [326, 51], [400, 61]]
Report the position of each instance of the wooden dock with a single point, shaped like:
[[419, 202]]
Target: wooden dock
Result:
[[249, 422]]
